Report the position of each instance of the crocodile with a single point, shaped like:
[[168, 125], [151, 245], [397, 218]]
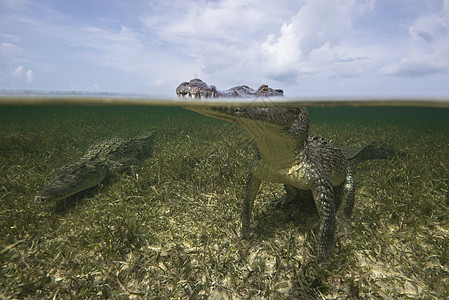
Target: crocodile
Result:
[[101, 160], [288, 154]]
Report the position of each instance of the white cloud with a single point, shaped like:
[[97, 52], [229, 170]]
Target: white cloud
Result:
[[116, 48], [132, 56], [29, 76], [220, 39], [8, 46], [312, 35], [18, 71], [416, 66], [16, 4], [365, 6], [427, 50], [229, 20]]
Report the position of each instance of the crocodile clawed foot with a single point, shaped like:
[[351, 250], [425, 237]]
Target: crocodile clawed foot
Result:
[[135, 172], [40, 199], [282, 202]]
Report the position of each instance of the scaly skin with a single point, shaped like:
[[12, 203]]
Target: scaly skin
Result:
[[197, 88], [288, 154], [100, 161]]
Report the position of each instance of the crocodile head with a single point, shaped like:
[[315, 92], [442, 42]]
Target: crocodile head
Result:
[[144, 144], [279, 117], [70, 179], [196, 88], [279, 132]]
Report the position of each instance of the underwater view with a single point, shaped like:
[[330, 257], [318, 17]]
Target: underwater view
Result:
[[165, 223]]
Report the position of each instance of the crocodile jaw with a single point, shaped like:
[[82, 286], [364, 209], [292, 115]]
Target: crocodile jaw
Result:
[[266, 129]]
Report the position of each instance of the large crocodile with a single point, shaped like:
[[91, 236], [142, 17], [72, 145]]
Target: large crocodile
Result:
[[288, 154], [101, 160]]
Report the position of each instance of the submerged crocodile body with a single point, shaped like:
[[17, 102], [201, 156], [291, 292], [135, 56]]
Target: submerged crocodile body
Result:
[[288, 154], [100, 161]]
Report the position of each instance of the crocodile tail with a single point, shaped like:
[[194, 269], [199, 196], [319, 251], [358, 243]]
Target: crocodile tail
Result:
[[360, 152]]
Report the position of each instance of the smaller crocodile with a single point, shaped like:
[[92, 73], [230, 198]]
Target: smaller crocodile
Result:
[[100, 161]]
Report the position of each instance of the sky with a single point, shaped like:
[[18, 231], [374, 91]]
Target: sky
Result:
[[337, 48]]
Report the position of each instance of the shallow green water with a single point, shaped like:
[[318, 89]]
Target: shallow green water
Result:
[[195, 175]]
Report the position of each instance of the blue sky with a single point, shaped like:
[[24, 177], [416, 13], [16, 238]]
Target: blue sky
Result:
[[307, 47]]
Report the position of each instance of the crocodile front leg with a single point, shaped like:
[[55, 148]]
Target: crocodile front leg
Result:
[[251, 189], [323, 194], [132, 164]]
